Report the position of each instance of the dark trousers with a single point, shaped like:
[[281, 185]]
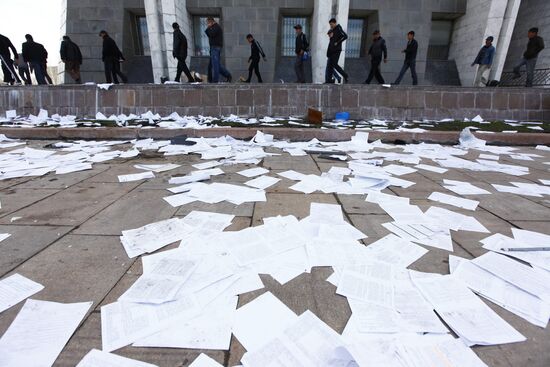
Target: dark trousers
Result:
[[182, 67], [25, 75], [38, 70], [299, 69], [9, 71], [254, 67], [375, 72], [332, 66], [408, 64], [112, 70]]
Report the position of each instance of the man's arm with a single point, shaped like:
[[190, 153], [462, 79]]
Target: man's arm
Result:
[[342, 35], [491, 55], [63, 51], [176, 45], [385, 50], [541, 45]]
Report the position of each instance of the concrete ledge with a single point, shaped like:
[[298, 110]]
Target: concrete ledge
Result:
[[293, 134], [283, 100]]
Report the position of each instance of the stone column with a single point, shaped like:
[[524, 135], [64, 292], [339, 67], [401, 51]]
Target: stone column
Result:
[[160, 16], [504, 38]]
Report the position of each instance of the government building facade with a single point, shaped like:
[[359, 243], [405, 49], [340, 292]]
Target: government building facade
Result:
[[449, 32]]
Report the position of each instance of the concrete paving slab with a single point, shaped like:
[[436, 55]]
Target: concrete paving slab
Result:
[[371, 225], [25, 242], [286, 162], [15, 198], [287, 204], [88, 336], [536, 226], [72, 206], [53, 181], [122, 214], [75, 269], [513, 207]]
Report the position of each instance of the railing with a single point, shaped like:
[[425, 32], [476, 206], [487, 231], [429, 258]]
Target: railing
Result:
[[541, 78]]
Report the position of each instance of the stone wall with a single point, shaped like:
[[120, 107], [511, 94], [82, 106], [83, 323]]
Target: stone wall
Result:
[[283, 100]]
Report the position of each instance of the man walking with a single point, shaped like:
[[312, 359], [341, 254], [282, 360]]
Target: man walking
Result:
[[179, 52], [410, 59], [534, 46], [484, 59], [254, 59], [337, 38], [112, 57], [7, 63], [301, 50], [71, 57], [215, 38], [376, 51], [35, 54]]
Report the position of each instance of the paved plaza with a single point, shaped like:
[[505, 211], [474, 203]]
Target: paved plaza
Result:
[[65, 234]]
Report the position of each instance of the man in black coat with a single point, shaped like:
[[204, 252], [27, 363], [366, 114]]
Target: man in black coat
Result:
[[410, 59], [254, 59], [215, 39], [7, 62], [35, 54], [534, 46], [376, 51], [179, 52], [112, 57], [71, 57], [334, 50], [301, 49]]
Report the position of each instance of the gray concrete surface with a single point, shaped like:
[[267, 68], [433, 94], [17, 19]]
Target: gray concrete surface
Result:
[[67, 239]]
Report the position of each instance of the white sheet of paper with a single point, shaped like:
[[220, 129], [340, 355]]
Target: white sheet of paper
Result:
[[427, 167], [260, 320], [15, 289], [98, 358], [253, 172], [465, 313], [136, 176], [39, 332], [262, 182], [365, 288], [453, 200]]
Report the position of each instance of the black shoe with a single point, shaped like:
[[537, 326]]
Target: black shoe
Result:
[[229, 79], [345, 80]]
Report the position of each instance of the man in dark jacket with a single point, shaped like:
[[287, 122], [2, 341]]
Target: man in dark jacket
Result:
[[334, 50], [215, 38], [376, 51], [534, 46], [7, 63], [35, 54], [410, 59], [179, 52], [254, 60], [71, 57], [484, 59], [301, 50], [112, 57]]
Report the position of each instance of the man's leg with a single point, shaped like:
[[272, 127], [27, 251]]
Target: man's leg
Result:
[[373, 65], [179, 70], [108, 71], [401, 73], [530, 71], [334, 61], [378, 74], [485, 72], [12, 70], [76, 70], [518, 66], [250, 70], [46, 75], [477, 80], [7, 75], [118, 72], [257, 71], [412, 65], [38, 74], [299, 68], [187, 73], [215, 60], [329, 71]]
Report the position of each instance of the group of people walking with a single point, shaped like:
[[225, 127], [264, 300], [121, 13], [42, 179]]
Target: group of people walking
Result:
[[33, 58]]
